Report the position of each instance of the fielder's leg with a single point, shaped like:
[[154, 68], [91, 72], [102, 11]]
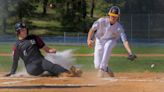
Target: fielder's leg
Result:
[[106, 56], [98, 52]]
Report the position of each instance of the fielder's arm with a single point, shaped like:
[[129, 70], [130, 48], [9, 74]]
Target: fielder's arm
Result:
[[127, 47], [131, 56], [90, 42]]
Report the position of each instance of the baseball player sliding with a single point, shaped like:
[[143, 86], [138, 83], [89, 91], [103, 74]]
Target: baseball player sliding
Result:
[[28, 48], [107, 31]]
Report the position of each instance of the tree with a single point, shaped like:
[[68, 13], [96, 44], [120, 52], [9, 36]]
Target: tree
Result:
[[45, 3], [23, 8], [4, 12], [84, 8], [92, 8], [108, 1], [139, 6], [72, 14]]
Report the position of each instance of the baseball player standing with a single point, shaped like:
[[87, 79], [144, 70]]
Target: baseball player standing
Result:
[[28, 47], [107, 31]]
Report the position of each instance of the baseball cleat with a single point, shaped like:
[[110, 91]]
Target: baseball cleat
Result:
[[110, 74], [73, 72], [76, 72], [102, 74]]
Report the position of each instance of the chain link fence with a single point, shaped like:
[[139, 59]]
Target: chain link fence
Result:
[[147, 28], [67, 38], [140, 28]]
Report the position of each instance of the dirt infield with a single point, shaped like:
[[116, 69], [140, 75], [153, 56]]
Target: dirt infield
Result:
[[123, 82], [89, 82]]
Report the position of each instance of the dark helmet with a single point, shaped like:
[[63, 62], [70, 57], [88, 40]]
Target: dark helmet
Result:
[[114, 11], [20, 25]]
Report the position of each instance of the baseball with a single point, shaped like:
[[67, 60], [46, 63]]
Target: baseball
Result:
[[152, 65]]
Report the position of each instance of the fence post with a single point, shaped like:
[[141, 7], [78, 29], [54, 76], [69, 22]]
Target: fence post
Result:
[[148, 27], [131, 28], [78, 39], [64, 37]]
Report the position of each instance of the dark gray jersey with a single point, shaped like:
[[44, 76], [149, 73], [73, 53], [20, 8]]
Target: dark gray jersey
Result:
[[28, 50]]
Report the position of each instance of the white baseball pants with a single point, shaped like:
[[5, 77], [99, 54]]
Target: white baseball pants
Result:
[[102, 53]]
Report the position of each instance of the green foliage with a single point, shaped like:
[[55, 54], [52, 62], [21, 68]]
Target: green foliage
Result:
[[23, 8], [68, 15], [71, 14]]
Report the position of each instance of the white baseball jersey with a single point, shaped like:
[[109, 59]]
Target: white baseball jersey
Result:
[[106, 38], [104, 30]]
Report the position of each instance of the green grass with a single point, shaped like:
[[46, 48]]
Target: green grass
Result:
[[119, 49], [85, 63], [44, 24], [121, 64], [118, 64], [5, 63], [142, 64], [6, 48]]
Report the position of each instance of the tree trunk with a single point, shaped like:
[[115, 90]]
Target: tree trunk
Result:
[[45, 2], [67, 6], [92, 8], [114, 2], [74, 8], [4, 24], [20, 14], [20, 11], [108, 1], [84, 11], [4, 16]]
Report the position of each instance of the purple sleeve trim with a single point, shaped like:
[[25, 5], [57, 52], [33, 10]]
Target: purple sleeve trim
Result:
[[39, 42]]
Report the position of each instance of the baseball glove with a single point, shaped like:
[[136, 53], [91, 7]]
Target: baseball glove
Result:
[[132, 57]]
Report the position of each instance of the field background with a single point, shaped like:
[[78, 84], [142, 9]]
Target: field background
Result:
[[118, 63], [131, 76], [65, 26]]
